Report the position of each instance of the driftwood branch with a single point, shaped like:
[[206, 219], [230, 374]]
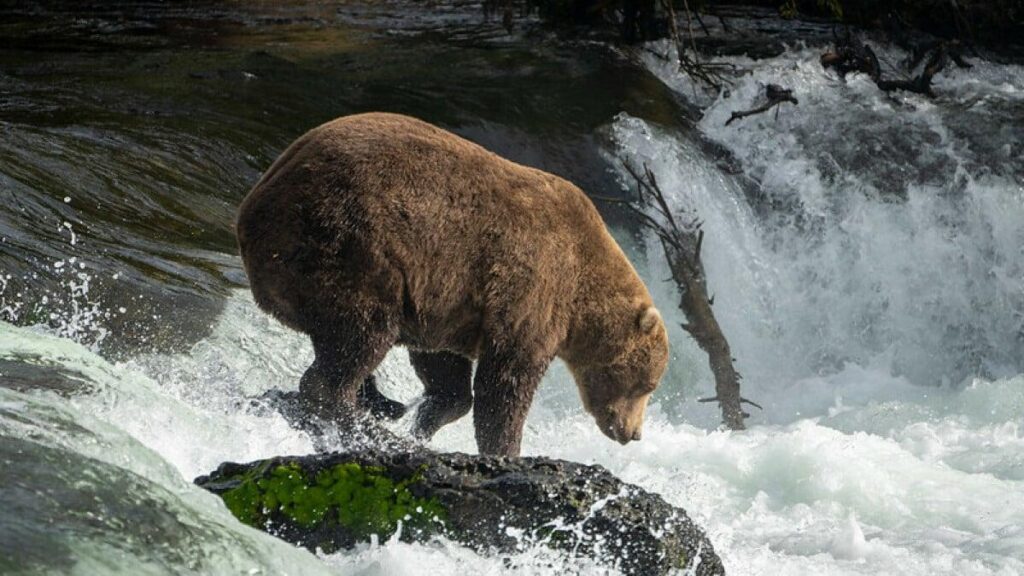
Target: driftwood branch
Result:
[[682, 239], [775, 94], [852, 55]]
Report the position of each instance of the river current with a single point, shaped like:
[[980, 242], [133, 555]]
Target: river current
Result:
[[865, 250]]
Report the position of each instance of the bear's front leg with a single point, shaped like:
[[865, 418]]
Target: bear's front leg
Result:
[[502, 393]]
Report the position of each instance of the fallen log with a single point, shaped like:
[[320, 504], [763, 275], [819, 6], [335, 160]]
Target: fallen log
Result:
[[681, 241], [334, 501]]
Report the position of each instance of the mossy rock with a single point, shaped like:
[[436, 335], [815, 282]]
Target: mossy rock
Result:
[[333, 501], [345, 502]]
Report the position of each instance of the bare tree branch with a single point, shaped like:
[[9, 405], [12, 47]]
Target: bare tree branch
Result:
[[682, 246]]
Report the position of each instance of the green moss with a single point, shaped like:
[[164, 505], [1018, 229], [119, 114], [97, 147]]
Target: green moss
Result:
[[360, 498]]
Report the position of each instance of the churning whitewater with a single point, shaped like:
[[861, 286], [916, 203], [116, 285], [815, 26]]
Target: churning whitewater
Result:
[[866, 254]]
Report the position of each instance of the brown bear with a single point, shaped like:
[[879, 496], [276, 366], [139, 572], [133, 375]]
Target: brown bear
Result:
[[376, 230]]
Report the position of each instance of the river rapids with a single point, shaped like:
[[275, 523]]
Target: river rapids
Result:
[[865, 250]]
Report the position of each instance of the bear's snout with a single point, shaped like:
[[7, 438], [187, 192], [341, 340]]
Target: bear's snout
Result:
[[623, 435], [623, 428]]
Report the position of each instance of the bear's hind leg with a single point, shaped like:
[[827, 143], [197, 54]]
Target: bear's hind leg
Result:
[[447, 390], [346, 355]]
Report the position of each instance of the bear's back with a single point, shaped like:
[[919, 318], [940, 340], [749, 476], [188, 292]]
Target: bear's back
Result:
[[390, 196], [402, 156], [398, 180]]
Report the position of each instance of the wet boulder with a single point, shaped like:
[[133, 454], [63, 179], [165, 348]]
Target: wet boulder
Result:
[[333, 501]]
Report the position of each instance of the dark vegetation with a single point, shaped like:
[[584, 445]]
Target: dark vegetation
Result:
[[991, 23]]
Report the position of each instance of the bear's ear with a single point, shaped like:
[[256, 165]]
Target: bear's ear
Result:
[[649, 319]]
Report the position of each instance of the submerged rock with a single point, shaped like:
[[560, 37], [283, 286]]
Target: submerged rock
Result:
[[333, 501]]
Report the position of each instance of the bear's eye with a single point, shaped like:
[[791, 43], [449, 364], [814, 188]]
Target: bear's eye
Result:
[[646, 387]]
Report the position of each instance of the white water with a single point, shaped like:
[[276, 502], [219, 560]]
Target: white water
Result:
[[881, 336]]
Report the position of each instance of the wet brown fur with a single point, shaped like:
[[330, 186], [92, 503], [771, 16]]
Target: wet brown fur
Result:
[[379, 229]]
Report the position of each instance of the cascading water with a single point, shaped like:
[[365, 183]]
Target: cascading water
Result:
[[865, 252], [865, 229], [868, 267]]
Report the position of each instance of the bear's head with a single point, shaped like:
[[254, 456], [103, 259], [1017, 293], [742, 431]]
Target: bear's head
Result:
[[615, 391]]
